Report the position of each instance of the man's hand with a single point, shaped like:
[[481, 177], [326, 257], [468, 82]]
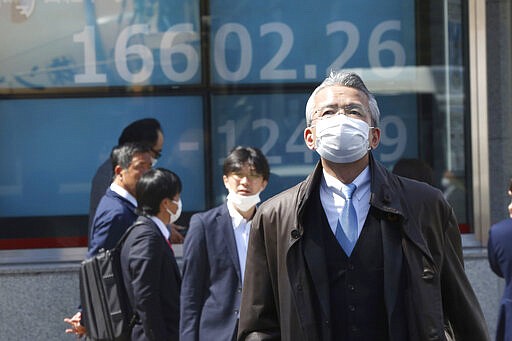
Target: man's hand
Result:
[[76, 327], [176, 236]]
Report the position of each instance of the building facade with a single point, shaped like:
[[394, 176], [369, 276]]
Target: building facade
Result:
[[216, 74]]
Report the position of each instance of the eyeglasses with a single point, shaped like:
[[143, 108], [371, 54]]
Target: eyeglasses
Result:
[[157, 153], [354, 111], [250, 177]]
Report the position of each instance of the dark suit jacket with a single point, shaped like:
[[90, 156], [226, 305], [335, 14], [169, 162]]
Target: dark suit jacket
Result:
[[212, 286], [100, 182], [152, 280], [113, 217], [500, 258]]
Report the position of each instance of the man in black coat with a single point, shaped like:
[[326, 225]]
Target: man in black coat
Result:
[[355, 252]]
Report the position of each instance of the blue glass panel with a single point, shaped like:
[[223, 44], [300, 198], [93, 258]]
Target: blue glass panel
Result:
[[51, 149]]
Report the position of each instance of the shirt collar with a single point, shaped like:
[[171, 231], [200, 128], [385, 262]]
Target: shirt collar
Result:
[[236, 217], [362, 181], [161, 226], [123, 193]]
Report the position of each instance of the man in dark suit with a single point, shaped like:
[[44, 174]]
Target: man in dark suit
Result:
[[500, 258], [116, 210], [215, 249], [150, 272], [355, 252], [146, 130]]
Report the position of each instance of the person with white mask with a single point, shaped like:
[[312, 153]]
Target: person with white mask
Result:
[[215, 249], [151, 274], [355, 252]]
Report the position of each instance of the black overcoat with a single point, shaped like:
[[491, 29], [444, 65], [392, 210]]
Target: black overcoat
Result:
[[425, 286]]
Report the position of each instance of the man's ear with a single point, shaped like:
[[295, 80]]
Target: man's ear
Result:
[[117, 170], [375, 138], [309, 138], [226, 181], [164, 203]]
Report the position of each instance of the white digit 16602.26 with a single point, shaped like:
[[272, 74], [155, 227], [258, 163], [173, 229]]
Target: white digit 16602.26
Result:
[[181, 39]]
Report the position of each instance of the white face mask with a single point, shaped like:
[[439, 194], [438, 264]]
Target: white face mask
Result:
[[243, 202], [174, 216], [342, 139], [445, 182]]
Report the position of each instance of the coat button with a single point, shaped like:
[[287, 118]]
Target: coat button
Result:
[[428, 274], [295, 234]]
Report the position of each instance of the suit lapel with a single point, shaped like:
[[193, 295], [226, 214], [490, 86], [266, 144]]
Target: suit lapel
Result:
[[225, 228], [128, 203], [166, 246]]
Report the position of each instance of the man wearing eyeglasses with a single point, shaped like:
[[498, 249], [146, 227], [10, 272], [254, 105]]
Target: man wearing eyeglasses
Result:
[[355, 252], [147, 130]]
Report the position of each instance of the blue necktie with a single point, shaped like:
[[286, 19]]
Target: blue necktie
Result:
[[346, 230]]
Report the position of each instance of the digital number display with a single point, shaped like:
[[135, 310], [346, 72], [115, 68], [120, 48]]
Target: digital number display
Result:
[[111, 43], [85, 43], [105, 43], [262, 42]]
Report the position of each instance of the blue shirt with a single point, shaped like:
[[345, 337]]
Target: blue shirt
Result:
[[333, 199]]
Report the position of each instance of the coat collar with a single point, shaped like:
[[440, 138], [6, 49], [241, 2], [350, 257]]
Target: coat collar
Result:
[[383, 193], [224, 224], [386, 196]]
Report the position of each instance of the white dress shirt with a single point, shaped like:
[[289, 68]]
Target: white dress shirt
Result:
[[124, 193], [161, 227], [333, 199], [241, 228]]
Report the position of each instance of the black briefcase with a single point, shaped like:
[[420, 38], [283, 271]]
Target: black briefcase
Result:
[[106, 311]]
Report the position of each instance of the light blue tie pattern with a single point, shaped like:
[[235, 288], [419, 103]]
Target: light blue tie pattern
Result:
[[346, 230]]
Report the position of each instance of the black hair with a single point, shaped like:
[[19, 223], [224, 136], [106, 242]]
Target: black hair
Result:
[[240, 156], [144, 130], [153, 187], [122, 155]]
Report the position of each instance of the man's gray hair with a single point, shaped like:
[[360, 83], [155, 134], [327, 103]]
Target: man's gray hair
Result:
[[123, 155], [348, 79]]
